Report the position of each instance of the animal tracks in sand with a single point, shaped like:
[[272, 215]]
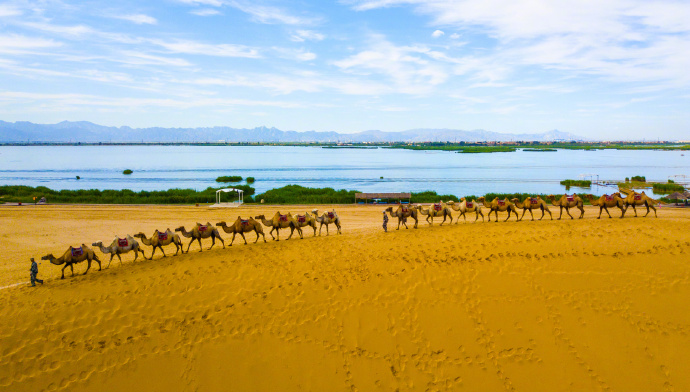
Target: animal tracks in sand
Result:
[[579, 305]]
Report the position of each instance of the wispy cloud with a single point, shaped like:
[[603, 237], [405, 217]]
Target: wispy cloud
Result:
[[437, 34], [306, 35], [205, 12], [9, 10], [20, 44], [193, 47], [137, 18], [270, 14]]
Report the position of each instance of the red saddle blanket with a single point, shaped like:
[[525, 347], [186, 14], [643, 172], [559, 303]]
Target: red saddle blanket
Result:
[[405, 210], [77, 252], [469, 204], [501, 202], [533, 200], [122, 242], [637, 197], [331, 215], [203, 228], [438, 207], [283, 218], [301, 218], [162, 236], [570, 198], [244, 222], [609, 198]]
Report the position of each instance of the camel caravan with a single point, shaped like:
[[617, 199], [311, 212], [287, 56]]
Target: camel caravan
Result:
[[162, 238]]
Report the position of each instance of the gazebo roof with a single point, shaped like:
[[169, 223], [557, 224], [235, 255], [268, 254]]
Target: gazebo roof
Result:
[[230, 190]]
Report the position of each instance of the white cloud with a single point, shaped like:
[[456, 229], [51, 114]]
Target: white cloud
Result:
[[455, 36], [137, 18], [212, 3], [270, 15], [18, 44], [437, 34], [304, 35], [295, 54], [221, 50], [205, 12], [9, 10]]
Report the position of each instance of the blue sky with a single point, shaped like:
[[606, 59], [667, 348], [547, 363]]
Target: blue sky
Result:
[[617, 69]]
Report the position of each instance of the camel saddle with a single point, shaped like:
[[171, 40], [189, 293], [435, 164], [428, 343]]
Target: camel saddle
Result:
[[77, 251], [405, 210], [244, 222], [501, 202], [162, 236], [469, 204], [609, 198], [122, 242], [283, 218], [438, 207], [637, 197], [570, 198], [533, 200], [331, 215], [301, 218], [203, 228]]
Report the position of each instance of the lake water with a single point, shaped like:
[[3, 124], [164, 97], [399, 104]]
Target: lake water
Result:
[[196, 167]]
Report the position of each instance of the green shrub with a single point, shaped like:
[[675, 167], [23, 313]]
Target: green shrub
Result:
[[296, 194], [638, 178], [229, 179], [667, 188], [127, 171], [579, 183], [250, 180]]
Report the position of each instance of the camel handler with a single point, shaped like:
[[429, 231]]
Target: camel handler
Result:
[[385, 222], [34, 273]]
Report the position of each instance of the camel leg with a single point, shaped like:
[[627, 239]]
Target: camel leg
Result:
[[245, 240], [415, 222], [292, 231], [213, 242], [479, 212], [154, 251], [88, 266], [635, 210], [72, 268], [63, 272], [190, 244], [607, 211], [321, 226], [523, 214], [567, 211], [327, 234], [404, 224], [561, 214], [98, 260], [314, 227], [119, 258], [582, 211]]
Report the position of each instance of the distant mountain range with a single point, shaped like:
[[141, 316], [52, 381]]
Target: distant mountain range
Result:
[[87, 132]]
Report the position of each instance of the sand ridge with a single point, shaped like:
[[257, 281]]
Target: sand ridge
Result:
[[547, 305]]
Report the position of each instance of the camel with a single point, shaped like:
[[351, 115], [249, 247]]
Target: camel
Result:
[[243, 226], [306, 220], [326, 219], [639, 199], [606, 201], [438, 209], [73, 256], [497, 205], [532, 203], [567, 202], [466, 206], [120, 246], [404, 212], [201, 231], [280, 221], [160, 239]]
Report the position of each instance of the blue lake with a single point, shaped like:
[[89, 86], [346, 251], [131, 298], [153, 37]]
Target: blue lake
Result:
[[196, 167]]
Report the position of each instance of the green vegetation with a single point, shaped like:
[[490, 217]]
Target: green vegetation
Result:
[[78, 178], [430, 197], [579, 183], [229, 179], [250, 180], [638, 179], [296, 194], [487, 149], [667, 188], [25, 194], [539, 149], [127, 171]]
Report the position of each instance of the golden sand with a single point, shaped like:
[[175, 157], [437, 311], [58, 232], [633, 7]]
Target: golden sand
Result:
[[531, 306]]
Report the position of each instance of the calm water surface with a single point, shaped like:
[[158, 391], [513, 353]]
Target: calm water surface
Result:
[[196, 167]]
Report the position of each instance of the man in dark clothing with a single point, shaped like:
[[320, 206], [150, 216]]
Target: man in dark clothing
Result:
[[34, 273], [385, 222]]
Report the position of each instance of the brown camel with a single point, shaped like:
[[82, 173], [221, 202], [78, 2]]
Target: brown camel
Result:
[[438, 209], [640, 199], [200, 231], [606, 201], [532, 203], [567, 202], [497, 205], [74, 256], [326, 219], [243, 226], [306, 220], [160, 239], [120, 246], [280, 221], [465, 206], [403, 212]]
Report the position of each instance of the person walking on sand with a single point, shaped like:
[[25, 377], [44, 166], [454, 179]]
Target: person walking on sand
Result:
[[385, 222], [34, 273]]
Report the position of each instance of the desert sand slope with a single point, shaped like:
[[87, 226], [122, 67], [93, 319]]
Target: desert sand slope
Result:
[[529, 306]]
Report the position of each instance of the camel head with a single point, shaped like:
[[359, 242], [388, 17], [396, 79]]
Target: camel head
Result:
[[315, 211], [550, 196], [481, 199], [450, 202], [262, 216], [221, 224], [463, 198], [97, 244], [180, 228], [140, 235], [50, 257]]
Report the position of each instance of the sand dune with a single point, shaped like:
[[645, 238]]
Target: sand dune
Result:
[[529, 306]]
